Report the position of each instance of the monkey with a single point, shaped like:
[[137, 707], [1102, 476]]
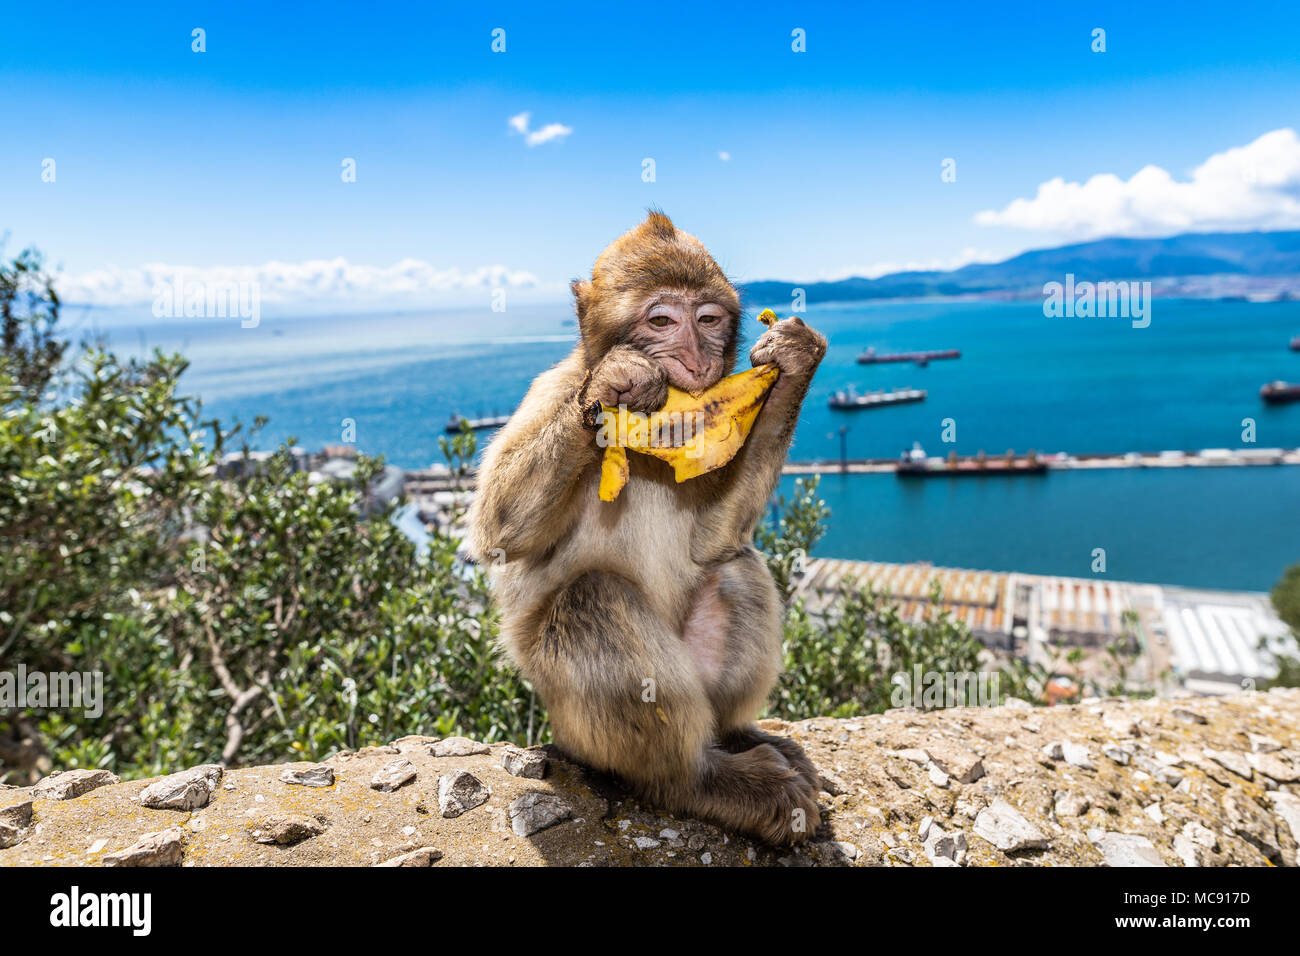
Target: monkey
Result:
[[650, 626]]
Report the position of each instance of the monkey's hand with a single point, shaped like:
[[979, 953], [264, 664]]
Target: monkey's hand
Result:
[[628, 377], [795, 348]]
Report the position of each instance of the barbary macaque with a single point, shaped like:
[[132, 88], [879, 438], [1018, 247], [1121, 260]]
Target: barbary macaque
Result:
[[650, 625]]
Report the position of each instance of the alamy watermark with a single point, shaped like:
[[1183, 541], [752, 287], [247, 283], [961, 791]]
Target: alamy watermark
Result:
[[931, 690], [208, 299], [626, 429], [56, 690], [74, 908], [1102, 300]]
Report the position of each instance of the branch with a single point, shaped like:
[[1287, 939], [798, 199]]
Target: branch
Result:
[[240, 699]]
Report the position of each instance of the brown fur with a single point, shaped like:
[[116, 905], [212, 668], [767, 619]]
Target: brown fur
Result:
[[649, 625]]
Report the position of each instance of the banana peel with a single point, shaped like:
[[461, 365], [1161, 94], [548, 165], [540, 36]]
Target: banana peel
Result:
[[695, 434]]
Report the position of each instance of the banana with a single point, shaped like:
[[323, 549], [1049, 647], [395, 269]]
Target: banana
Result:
[[694, 433]]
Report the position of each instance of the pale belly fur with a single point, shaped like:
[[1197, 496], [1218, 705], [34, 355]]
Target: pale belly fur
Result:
[[644, 536]]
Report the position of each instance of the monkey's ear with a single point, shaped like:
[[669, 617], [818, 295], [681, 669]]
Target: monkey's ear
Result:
[[581, 290]]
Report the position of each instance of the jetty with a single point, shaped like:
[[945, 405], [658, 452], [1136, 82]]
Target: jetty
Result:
[[1060, 461], [437, 488]]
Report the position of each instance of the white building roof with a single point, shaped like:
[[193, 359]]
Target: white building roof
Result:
[[1217, 635]]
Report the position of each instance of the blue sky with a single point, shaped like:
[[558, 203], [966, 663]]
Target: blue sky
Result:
[[232, 157]]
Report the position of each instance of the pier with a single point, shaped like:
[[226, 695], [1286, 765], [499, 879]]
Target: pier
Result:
[[1205, 458], [437, 482]]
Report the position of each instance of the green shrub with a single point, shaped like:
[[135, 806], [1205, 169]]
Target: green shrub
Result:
[[263, 618], [248, 620], [1286, 601], [841, 661]]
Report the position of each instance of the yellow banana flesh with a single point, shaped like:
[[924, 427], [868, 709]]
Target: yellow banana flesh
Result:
[[694, 433]]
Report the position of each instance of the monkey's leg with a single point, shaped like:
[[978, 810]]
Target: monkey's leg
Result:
[[624, 696], [750, 633], [733, 633]]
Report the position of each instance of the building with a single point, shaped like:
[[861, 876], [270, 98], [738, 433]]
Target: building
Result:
[[1207, 641], [1215, 637], [385, 487]]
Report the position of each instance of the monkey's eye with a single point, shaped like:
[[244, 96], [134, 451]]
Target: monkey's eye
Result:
[[709, 319], [659, 321]]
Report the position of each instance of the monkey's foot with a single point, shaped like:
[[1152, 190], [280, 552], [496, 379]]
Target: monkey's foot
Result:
[[745, 738], [757, 792]]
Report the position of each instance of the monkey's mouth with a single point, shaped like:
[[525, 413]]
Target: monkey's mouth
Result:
[[679, 376]]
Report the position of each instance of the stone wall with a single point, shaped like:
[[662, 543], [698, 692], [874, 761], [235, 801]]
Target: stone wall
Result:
[[1200, 781]]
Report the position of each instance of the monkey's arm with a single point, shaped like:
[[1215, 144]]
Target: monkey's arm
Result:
[[528, 480], [741, 490], [527, 486]]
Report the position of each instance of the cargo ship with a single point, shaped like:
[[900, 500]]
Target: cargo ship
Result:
[[848, 399], [872, 357], [914, 463], [475, 424], [1295, 344], [1278, 393]]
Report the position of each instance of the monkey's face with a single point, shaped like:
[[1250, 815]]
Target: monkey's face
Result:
[[657, 289], [688, 334]]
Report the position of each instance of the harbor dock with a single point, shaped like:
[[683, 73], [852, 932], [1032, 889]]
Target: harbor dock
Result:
[[1205, 458], [436, 485]]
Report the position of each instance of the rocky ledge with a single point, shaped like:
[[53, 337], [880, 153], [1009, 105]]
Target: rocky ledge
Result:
[[1189, 782]]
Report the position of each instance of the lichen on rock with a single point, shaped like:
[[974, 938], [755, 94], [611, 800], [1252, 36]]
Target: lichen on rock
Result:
[[1188, 782]]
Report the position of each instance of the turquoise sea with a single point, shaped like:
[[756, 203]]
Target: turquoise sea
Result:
[[1024, 381]]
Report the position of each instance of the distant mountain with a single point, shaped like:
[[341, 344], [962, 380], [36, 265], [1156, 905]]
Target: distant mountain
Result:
[[1190, 254]]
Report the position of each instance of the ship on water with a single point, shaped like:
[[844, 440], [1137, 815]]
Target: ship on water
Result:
[[1278, 393], [455, 422], [1295, 344], [849, 399], [915, 463], [872, 357]]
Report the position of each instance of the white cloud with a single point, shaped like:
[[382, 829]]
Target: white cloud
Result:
[[319, 280], [519, 123], [547, 133], [876, 270], [1256, 186], [724, 156]]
